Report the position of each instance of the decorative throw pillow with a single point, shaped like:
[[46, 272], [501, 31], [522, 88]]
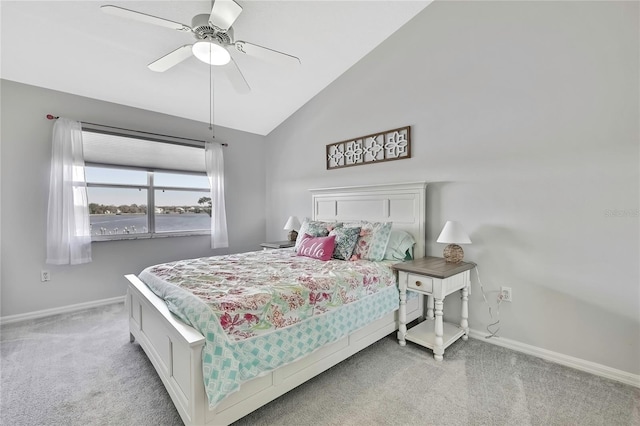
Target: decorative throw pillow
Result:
[[320, 248], [346, 239], [372, 241], [399, 245], [313, 228]]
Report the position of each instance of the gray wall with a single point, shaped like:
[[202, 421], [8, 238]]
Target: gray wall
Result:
[[25, 163], [524, 120]]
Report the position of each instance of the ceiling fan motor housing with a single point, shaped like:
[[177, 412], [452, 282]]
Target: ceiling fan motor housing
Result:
[[204, 31]]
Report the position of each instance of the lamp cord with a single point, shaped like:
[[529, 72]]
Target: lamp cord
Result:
[[497, 319]]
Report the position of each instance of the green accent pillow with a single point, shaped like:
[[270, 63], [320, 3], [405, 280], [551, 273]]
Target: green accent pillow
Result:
[[399, 246], [346, 239]]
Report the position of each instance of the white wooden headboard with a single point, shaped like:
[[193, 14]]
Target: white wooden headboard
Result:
[[404, 204]]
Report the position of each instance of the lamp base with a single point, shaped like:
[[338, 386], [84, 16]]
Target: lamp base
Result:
[[453, 253], [293, 235]]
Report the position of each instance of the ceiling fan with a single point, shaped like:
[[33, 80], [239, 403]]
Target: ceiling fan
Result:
[[214, 40]]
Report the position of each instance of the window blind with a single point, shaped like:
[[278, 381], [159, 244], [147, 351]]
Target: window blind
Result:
[[124, 150]]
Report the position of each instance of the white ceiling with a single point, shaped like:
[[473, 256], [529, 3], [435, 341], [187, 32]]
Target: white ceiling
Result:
[[71, 46]]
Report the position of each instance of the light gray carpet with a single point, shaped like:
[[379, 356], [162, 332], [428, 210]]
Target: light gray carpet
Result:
[[80, 369]]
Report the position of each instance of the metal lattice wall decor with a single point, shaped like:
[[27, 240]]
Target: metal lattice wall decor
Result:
[[384, 146]]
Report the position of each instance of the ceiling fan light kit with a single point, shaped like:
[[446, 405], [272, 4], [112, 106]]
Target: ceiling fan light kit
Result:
[[210, 52], [214, 36]]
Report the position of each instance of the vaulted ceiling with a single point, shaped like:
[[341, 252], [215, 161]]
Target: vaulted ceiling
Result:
[[72, 46]]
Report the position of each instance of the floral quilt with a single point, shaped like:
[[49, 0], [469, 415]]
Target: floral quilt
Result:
[[261, 310]]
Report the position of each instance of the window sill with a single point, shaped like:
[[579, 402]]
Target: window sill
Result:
[[102, 238]]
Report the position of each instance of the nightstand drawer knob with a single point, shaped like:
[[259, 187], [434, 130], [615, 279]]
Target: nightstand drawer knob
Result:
[[418, 283]]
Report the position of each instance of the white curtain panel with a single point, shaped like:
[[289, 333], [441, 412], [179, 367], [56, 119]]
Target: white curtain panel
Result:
[[68, 229], [214, 159]]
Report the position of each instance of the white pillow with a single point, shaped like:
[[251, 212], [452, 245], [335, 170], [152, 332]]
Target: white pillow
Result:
[[314, 228]]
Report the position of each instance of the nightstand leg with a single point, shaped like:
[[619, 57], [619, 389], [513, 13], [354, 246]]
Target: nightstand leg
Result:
[[438, 349], [429, 306], [464, 323], [402, 316]]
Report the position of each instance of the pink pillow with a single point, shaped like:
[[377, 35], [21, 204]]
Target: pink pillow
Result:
[[317, 247]]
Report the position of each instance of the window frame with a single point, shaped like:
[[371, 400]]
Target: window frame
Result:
[[151, 188]]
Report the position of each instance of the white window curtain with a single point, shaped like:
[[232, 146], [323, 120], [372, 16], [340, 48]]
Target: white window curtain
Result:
[[215, 171], [68, 229]]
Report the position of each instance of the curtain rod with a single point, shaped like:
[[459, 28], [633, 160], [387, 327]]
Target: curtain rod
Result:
[[53, 117]]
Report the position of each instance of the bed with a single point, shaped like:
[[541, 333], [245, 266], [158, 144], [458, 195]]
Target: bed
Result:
[[177, 350]]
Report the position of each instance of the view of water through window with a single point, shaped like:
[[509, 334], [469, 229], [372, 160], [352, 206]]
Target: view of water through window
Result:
[[118, 207], [131, 223]]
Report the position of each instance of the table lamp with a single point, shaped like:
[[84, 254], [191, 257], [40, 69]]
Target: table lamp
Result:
[[453, 234], [292, 225]]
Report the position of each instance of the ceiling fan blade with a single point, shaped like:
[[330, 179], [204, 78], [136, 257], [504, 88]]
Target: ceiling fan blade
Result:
[[171, 59], [266, 54], [224, 13], [236, 78], [143, 17]]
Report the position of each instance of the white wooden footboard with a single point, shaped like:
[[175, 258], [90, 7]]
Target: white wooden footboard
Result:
[[175, 350]]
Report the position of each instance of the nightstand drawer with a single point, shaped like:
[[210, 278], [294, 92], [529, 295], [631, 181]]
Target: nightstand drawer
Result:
[[420, 283]]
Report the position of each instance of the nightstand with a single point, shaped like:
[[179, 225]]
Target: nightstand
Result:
[[277, 244], [435, 278]]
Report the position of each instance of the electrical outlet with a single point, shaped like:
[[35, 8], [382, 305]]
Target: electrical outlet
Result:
[[45, 276], [505, 294]]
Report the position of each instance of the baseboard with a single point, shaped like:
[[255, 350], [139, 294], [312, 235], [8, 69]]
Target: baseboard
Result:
[[62, 310], [558, 358]]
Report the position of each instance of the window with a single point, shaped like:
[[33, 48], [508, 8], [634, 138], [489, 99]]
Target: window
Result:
[[134, 193]]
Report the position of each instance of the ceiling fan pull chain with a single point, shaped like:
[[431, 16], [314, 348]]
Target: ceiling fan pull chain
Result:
[[213, 136]]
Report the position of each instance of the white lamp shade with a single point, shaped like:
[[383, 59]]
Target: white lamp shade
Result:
[[452, 233], [293, 224], [210, 53]]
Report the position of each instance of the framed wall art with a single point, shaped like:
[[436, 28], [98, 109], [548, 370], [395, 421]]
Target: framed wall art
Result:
[[389, 145]]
